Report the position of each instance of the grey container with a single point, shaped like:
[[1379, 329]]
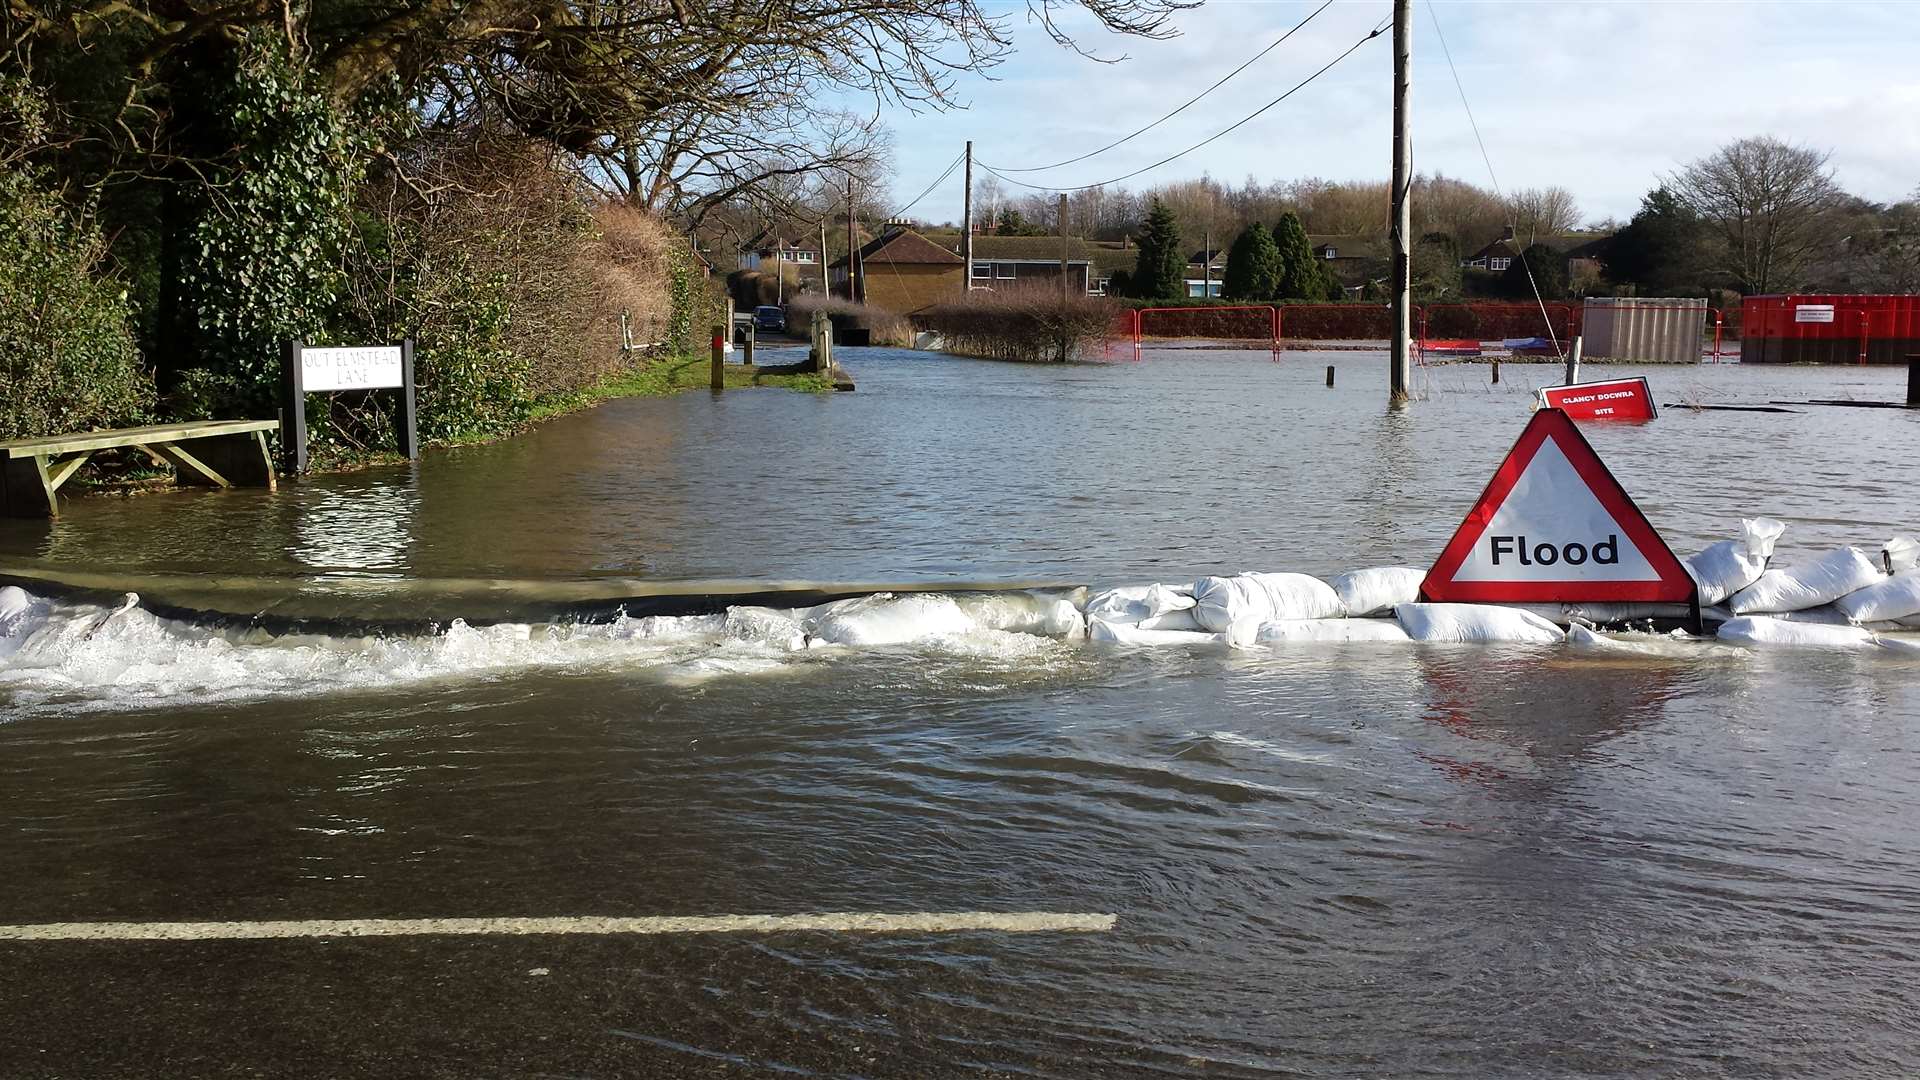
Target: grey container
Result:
[[1647, 329]]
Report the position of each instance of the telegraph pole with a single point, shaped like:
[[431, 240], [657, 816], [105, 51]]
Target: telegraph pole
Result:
[[966, 228], [1064, 247], [853, 249], [1401, 375], [826, 287]]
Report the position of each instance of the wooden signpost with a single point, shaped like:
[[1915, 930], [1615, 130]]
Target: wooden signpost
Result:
[[307, 369]]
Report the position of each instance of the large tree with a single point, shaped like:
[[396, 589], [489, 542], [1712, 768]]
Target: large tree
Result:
[[1538, 267], [1159, 271], [1253, 266], [1659, 252], [1764, 201]]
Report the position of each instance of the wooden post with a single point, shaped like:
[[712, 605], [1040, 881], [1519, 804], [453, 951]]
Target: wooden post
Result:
[[1329, 376], [853, 249], [1400, 376], [406, 426], [753, 330], [1913, 380], [1063, 247], [966, 229], [293, 410], [1573, 361], [719, 371], [1496, 371]]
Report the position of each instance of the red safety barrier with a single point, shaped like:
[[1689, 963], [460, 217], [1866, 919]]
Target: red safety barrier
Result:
[[1226, 322]]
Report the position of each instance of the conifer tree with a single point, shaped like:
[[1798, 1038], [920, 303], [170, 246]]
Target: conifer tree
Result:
[[1300, 276], [1253, 265], [1159, 272]]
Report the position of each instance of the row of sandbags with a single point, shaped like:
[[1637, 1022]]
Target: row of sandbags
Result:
[[1255, 609], [1839, 599]]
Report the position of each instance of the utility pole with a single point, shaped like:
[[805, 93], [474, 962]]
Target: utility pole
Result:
[[826, 287], [853, 249], [1064, 248], [966, 229], [1401, 375]]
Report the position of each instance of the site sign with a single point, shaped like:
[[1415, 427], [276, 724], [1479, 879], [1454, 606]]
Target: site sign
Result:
[[1615, 399], [1813, 313], [1554, 526]]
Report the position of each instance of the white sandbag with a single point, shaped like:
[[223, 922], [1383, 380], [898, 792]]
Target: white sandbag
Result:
[[1135, 604], [1896, 597], [1764, 630], [1262, 598], [1899, 553], [21, 613], [886, 619], [1041, 614], [1172, 620], [1377, 590], [1474, 622], [1905, 646], [1111, 633], [1731, 565], [1677, 644], [1822, 581], [1329, 630]]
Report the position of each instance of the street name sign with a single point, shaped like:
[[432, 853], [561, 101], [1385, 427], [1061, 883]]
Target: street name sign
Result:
[[1615, 399], [309, 369], [1554, 526], [376, 367]]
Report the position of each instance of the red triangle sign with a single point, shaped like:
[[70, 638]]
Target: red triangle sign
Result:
[[1554, 526]]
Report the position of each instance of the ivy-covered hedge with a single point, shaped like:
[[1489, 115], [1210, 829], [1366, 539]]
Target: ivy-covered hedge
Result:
[[67, 355]]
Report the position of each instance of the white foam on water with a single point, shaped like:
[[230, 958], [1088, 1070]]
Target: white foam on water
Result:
[[72, 657]]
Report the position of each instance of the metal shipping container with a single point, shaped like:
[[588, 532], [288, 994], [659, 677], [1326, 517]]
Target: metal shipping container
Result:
[[1829, 328], [1649, 329]]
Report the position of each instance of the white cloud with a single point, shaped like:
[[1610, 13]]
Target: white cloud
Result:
[[1598, 97]]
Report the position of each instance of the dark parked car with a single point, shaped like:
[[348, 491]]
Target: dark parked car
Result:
[[768, 317]]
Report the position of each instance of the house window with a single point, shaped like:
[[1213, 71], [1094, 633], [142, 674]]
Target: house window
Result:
[[1499, 263], [803, 256], [1003, 270], [1100, 286], [1332, 254], [983, 270]]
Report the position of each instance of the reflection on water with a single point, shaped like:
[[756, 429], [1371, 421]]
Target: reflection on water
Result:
[[368, 528]]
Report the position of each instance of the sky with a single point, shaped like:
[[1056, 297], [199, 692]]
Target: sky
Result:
[[1600, 97]]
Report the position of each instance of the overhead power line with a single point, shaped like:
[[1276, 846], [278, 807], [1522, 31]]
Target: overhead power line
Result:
[[952, 165], [1552, 335], [1190, 101], [1351, 49]]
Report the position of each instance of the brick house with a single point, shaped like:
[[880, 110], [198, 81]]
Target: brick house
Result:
[[902, 272]]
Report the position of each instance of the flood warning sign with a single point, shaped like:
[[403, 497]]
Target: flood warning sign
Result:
[[1554, 526]]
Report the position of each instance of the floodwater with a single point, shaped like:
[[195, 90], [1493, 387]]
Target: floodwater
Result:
[[1324, 860]]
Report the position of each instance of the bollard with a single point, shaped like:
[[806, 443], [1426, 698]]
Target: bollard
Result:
[[719, 381], [1329, 374], [1496, 371], [1573, 362], [1913, 381], [748, 357]]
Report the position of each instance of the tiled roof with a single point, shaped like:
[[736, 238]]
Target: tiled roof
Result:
[[903, 246]]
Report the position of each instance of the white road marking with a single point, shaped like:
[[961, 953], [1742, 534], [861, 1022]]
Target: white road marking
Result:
[[921, 922]]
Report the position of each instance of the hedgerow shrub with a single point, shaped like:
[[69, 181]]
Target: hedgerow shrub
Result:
[[1034, 325], [67, 356], [882, 326]]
